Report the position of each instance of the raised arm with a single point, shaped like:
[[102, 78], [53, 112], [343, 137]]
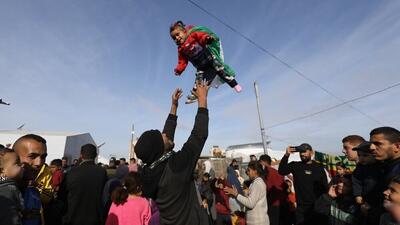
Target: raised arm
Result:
[[170, 123], [182, 63], [191, 150], [284, 167]]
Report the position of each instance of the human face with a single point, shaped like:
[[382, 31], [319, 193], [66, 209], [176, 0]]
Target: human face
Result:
[[382, 149], [32, 153], [392, 194], [12, 166], [252, 173], [178, 35], [340, 170], [306, 156], [348, 151], [168, 143], [344, 188], [53, 168], [64, 163], [365, 158]]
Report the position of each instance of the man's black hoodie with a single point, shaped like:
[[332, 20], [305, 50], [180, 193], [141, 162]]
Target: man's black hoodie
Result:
[[175, 191]]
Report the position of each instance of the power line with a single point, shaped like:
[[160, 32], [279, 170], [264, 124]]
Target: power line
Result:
[[281, 61], [334, 106]]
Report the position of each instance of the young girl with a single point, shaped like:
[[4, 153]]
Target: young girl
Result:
[[202, 48], [128, 207], [12, 204]]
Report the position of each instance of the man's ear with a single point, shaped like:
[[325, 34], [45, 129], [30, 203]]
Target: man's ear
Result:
[[397, 147]]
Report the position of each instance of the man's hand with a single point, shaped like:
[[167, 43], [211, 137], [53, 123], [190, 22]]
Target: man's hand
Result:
[[201, 92], [359, 200], [290, 150], [332, 192], [176, 96]]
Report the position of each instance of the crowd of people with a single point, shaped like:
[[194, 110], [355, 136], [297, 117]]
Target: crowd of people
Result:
[[167, 187]]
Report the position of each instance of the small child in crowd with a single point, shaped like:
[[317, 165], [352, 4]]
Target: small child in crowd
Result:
[[340, 172], [392, 203], [203, 49], [128, 207], [12, 203], [56, 170]]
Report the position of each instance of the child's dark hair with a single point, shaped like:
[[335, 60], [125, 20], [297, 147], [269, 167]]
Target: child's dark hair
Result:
[[177, 24], [255, 165], [131, 185], [56, 162], [3, 152], [341, 164], [395, 179]]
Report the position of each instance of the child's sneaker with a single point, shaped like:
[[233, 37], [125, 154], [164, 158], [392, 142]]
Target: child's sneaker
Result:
[[190, 99], [238, 88]]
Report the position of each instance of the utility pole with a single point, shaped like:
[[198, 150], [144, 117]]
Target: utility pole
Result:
[[263, 136], [131, 150]]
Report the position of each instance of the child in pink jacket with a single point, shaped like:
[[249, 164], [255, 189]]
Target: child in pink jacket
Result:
[[128, 207]]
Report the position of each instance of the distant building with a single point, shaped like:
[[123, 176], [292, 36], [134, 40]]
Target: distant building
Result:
[[59, 144], [244, 151]]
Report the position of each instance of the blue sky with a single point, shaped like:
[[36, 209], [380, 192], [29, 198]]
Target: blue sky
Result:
[[99, 66]]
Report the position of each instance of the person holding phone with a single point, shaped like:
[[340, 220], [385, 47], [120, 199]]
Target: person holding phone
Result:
[[310, 181]]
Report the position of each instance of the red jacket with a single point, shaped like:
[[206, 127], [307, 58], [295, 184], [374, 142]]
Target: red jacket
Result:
[[193, 44], [57, 178], [221, 199], [276, 187]]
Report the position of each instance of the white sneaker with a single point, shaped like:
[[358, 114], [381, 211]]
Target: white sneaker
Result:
[[190, 99]]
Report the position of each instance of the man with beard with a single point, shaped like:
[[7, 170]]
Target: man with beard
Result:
[[32, 151], [167, 176], [310, 182]]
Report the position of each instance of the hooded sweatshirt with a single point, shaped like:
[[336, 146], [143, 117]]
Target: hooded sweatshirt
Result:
[[11, 203], [171, 183]]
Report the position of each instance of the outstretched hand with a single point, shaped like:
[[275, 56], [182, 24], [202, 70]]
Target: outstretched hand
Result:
[[231, 191], [202, 87], [176, 95]]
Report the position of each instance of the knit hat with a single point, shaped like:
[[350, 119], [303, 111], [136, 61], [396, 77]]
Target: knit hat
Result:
[[150, 146]]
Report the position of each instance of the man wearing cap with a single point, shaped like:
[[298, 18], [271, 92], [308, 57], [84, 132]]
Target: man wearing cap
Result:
[[310, 182], [167, 175], [367, 184]]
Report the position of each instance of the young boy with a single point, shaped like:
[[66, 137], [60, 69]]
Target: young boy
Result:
[[392, 203], [367, 180], [11, 203], [56, 170]]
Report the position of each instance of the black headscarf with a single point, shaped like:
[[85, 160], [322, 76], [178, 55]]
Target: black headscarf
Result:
[[149, 148]]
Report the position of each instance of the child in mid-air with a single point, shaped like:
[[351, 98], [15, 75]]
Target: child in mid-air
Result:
[[202, 48]]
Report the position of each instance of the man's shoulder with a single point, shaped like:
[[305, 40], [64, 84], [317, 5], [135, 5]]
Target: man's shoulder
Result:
[[87, 168]]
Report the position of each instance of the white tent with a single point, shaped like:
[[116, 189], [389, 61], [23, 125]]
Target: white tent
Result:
[[59, 144], [245, 150]]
